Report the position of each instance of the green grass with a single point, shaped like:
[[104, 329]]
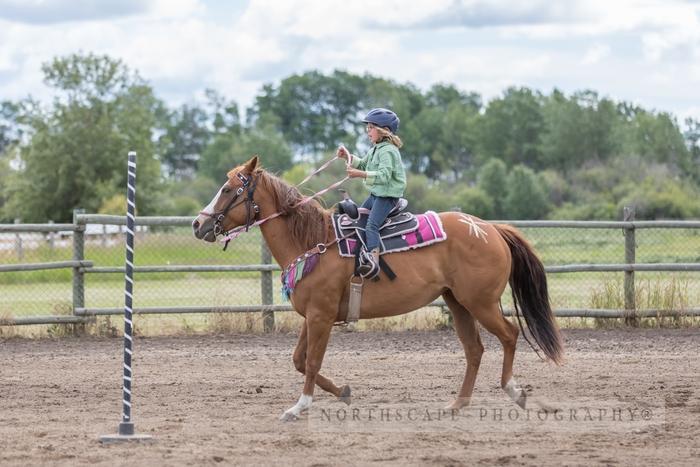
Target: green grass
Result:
[[588, 246], [178, 247], [567, 290], [50, 292]]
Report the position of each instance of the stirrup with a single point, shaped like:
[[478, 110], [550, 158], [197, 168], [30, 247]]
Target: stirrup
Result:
[[368, 268]]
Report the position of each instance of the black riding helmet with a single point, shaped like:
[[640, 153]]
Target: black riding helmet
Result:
[[384, 118]]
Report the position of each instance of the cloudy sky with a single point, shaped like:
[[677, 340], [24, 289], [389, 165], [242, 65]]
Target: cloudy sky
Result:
[[643, 51]]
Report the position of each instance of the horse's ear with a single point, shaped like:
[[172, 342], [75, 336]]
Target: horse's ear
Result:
[[252, 164]]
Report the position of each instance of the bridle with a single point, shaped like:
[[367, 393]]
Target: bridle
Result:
[[251, 207]]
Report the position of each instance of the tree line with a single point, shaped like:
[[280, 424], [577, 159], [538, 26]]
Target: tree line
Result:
[[522, 155]]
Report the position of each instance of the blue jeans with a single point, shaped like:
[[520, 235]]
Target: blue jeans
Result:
[[379, 207]]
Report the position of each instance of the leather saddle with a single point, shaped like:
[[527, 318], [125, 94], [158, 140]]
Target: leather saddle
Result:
[[402, 231], [351, 221]]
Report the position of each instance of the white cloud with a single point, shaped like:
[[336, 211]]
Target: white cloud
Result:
[[58, 11], [595, 54], [175, 8], [494, 13], [645, 51]]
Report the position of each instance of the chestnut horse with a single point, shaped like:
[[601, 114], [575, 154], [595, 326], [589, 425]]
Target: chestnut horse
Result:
[[470, 270]]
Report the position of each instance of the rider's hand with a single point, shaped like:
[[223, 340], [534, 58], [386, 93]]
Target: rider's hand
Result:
[[356, 173], [343, 153]]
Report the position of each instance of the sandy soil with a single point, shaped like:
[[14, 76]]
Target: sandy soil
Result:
[[216, 401]]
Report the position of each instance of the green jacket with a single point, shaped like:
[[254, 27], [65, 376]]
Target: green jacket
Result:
[[386, 175]]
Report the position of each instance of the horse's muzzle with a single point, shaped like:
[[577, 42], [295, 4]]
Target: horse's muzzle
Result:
[[204, 230]]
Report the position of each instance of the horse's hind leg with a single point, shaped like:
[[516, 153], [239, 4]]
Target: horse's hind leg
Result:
[[322, 382], [492, 319], [468, 334]]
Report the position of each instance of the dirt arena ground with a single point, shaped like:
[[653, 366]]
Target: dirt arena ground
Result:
[[215, 400]]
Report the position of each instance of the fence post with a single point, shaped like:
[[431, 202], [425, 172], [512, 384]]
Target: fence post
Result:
[[18, 244], [630, 257], [78, 255], [266, 289], [104, 235], [50, 238]]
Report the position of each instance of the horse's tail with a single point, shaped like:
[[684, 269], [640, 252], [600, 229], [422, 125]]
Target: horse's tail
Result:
[[528, 283]]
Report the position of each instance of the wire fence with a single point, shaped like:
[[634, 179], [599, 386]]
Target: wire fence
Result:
[[65, 272]]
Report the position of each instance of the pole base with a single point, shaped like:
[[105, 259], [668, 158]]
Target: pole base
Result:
[[126, 433], [111, 439]]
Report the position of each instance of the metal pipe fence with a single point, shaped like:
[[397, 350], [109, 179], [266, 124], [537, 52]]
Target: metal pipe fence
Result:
[[177, 274]]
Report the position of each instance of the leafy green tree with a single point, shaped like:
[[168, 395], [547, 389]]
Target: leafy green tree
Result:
[[76, 156], [692, 138], [512, 127], [316, 112], [474, 200], [420, 194], [441, 132], [404, 99], [113, 205], [559, 189], [445, 95], [5, 215], [656, 198], [420, 136], [601, 123], [424, 194], [189, 129], [9, 137], [313, 111], [441, 141], [458, 140], [599, 191], [185, 137], [297, 173], [597, 208], [223, 113], [578, 130], [440, 197], [657, 138], [10, 132], [526, 196], [187, 197], [229, 150], [492, 179]]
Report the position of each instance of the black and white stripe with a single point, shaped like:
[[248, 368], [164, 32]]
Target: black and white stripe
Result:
[[129, 285], [126, 427]]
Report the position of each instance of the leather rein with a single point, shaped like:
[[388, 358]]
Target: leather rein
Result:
[[251, 205]]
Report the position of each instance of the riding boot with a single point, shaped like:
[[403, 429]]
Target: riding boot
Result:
[[369, 264], [375, 255]]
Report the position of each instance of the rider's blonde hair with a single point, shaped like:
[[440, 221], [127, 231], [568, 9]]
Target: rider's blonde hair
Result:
[[391, 137]]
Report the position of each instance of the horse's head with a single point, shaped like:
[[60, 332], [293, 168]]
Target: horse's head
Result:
[[232, 206]]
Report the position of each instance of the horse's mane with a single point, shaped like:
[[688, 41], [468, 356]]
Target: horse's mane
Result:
[[307, 224]]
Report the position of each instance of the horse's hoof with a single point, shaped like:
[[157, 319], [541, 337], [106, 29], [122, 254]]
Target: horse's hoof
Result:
[[289, 417], [515, 392], [458, 403], [345, 395]]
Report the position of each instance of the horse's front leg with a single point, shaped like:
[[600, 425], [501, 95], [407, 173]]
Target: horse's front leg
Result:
[[324, 383], [318, 330]]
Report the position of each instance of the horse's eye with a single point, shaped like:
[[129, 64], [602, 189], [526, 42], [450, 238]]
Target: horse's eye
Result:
[[226, 190]]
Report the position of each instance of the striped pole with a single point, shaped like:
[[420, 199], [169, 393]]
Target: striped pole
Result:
[[126, 427]]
